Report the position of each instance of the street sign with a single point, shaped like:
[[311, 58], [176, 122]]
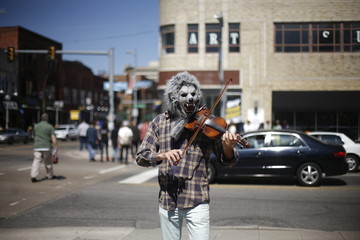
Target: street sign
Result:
[[58, 104], [11, 105]]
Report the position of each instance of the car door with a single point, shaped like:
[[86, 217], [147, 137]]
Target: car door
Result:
[[284, 153], [17, 135], [251, 159]]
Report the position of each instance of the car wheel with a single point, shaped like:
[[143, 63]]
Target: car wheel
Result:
[[309, 174], [211, 173], [26, 140], [353, 162]]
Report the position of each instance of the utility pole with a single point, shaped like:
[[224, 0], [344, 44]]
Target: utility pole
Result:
[[135, 110], [111, 89], [220, 18]]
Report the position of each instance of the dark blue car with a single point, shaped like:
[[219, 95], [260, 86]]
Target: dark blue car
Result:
[[277, 153]]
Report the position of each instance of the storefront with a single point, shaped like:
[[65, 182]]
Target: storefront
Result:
[[319, 110]]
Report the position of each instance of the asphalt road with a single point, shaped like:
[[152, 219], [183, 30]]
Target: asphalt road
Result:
[[113, 195]]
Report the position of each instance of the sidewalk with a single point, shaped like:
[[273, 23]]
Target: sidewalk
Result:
[[217, 233]]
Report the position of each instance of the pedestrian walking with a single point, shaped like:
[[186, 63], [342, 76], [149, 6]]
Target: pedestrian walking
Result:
[[44, 142], [143, 127], [136, 138], [82, 128], [125, 136], [92, 138], [114, 142], [104, 142], [277, 125]]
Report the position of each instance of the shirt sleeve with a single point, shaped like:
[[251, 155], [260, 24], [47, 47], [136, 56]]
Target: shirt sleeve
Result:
[[218, 150], [146, 155]]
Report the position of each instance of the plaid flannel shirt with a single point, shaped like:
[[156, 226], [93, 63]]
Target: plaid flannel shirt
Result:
[[185, 185]]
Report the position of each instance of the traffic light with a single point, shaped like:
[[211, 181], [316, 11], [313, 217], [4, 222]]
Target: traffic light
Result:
[[10, 54], [51, 53]]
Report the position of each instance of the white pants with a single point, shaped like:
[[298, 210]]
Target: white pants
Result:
[[197, 221], [39, 156]]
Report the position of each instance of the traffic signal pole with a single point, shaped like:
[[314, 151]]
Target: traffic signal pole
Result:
[[109, 53]]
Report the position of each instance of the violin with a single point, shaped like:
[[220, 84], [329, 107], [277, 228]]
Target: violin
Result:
[[212, 126]]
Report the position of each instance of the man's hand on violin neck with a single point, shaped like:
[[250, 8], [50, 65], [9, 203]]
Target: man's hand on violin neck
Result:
[[173, 156], [229, 139]]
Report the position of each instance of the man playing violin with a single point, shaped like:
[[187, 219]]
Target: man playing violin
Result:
[[183, 180]]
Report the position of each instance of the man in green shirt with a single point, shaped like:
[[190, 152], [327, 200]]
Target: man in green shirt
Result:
[[44, 141]]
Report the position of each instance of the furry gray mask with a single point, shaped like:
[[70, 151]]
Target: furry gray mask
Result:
[[183, 98]]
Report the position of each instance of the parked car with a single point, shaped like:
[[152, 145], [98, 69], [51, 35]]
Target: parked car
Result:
[[12, 135], [66, 132], [279, 153], [352, 149]]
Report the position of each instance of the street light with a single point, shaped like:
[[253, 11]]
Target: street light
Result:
[[220, 18], [135, 111]]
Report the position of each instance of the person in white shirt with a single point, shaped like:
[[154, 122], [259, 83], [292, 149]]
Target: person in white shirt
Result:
[[125, 136], [82, 128]]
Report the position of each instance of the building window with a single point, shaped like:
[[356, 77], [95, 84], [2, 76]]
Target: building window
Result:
[[325, 37], [168, 38], [234, 37], [213, 37], [82, 97], [67, 97], [193, 42], [74, 96], [351, 37], [317, 37], [28, 88]]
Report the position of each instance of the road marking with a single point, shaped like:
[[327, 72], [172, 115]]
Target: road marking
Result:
[[111, 169], [1, 173], [17, 202], [13, 204], [141, 177], [24, 168], [89, 177]]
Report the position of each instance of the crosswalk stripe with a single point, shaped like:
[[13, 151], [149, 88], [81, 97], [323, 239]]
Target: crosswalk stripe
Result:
[[111, 169], [141, 177], [24, 168]]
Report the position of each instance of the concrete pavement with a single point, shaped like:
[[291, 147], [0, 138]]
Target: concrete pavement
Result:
[[217, 233]]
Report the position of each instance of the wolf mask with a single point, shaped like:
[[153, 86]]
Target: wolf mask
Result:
[[183, 99]]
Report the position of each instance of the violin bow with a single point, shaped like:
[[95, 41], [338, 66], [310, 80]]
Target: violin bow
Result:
[[207, 115]]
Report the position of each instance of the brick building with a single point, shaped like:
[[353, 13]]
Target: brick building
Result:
[[31, 80], [35, 84], [295, 61], [82, 92]]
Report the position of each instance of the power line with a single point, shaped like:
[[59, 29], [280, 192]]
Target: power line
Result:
[[111, 37]]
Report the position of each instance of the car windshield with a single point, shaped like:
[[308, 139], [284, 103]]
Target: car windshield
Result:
[[60, 128]]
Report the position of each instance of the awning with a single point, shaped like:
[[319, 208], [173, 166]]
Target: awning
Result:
[[122, 86]]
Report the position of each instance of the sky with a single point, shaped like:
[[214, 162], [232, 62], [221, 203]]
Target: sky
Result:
[[92, 25]]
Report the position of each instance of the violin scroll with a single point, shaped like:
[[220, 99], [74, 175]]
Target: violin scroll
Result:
[[243, 143]]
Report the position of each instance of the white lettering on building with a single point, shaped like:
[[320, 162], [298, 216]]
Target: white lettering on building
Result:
[[193, 39], [213, 39], [325, 34], [234, 37]]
